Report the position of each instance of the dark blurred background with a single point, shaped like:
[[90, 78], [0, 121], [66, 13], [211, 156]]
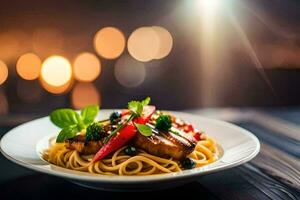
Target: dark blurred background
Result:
[[184, 54]]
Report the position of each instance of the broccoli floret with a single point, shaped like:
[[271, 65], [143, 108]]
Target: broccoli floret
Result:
[[163, 122], [94, 132]]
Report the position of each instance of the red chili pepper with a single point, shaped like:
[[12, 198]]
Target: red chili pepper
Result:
[[124, 135], [116, 142]]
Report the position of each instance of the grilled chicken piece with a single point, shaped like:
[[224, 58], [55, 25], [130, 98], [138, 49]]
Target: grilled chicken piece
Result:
[[79, 144], [166, 144]]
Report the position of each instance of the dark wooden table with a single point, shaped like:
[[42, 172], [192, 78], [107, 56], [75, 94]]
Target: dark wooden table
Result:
[[273, 174]]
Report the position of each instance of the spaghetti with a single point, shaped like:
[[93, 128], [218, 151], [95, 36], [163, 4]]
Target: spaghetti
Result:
[[205, 152]]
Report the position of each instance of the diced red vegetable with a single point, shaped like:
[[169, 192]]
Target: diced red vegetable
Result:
[[147, 114], [188, 128], [197, 136]]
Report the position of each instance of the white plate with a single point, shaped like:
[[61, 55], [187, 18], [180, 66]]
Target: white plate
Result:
[[24, 144]]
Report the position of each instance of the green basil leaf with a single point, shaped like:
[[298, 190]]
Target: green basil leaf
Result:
[[146, 101], [144, 129], [64, 117], [67, 133], [89, 113], [136, 107]]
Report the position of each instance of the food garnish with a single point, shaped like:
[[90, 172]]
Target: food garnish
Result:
[[144, 129], [164, 123], [93, 132], [71, 122], [136, 108]]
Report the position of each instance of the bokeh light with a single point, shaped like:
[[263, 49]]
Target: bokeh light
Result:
[[165, 42], [84, 94], [143, 44], [29, 66], [86, 67], [3, 72], [29, 91], [56, 71], [3, 103], [57, 89], [109, 42], [129, 72]]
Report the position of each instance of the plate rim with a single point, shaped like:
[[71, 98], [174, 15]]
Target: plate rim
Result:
[[139, 179]]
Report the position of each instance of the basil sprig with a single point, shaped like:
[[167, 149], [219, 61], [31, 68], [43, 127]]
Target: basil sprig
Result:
[[67, 133], [71, 122], [64, 117], [89, 113], [144, 129], [136, 110], [136, 107]]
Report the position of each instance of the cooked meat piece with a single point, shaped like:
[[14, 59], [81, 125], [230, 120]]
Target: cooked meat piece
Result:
[[165, 144], [79, 144]]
